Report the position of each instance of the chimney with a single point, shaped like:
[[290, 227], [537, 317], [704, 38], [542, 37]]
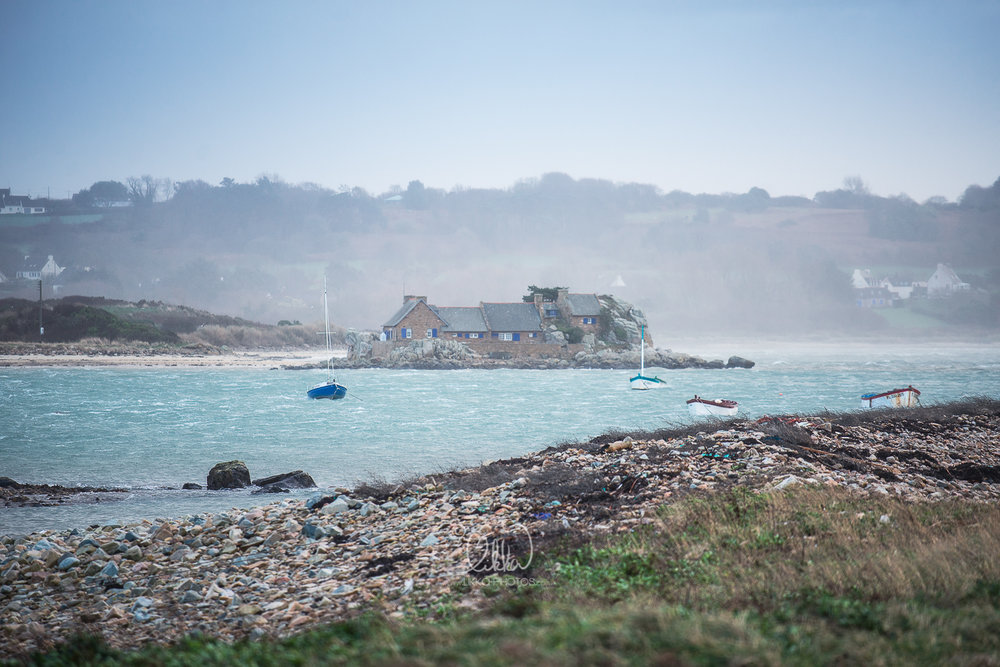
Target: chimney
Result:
[[411, 297]]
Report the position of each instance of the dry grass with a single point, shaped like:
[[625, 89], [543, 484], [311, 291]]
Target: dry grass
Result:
[[241, 337]]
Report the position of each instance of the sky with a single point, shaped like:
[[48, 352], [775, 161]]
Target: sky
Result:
[[714, 97]]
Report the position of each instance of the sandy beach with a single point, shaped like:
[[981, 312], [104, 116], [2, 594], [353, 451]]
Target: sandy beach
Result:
[[69, 355]]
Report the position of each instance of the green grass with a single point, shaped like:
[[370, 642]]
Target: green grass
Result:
[[801, 577]]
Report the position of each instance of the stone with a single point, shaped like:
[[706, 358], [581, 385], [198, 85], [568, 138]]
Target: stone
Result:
[[228, 475], [290, 480], [336, 507]]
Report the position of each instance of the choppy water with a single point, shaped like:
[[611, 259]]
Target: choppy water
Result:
[[153, 429]]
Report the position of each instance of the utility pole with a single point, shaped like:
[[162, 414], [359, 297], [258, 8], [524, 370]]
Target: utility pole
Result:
[[41, 327]]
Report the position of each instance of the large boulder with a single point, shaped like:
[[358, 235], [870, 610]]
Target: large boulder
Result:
[[739, 362], [289, 480], [228, 475]]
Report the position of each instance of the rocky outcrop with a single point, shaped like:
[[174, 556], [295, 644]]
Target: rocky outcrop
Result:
[[228, 475], [739, 362], [289, 480], [431, 353]]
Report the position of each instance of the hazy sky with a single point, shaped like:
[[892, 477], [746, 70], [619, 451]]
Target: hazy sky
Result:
[[698, 96]]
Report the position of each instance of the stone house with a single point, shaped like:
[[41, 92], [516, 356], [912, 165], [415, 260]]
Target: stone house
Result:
[[521, 322], [415, 319], [465, 322], [516, 322], [581, 310]]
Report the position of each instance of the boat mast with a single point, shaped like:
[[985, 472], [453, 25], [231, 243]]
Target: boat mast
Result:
[[326, 316], [642, 350]]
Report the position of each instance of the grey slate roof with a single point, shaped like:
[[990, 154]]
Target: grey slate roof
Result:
[[462, 319], [402, 312], [512, 317], [583, 305]]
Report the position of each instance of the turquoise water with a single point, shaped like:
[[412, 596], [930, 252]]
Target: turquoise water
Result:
[[153, 429]]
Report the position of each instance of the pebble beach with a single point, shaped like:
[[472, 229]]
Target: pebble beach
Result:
[[396, 549]]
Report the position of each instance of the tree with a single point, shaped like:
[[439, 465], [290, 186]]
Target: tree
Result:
[[856, 185], [980, 198], [102, 193], [416, 195], [142, 191], [548, 293]]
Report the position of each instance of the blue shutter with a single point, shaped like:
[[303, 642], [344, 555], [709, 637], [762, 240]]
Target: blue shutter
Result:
[[517, 336], [434, 333]]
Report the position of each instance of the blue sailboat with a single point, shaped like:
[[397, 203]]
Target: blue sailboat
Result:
[[330, 388]]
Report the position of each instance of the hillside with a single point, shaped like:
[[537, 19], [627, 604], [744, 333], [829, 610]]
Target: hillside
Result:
[[75, 319], [730, 264]]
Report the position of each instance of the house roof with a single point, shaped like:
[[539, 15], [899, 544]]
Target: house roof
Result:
[[31, 264], [512, 317], [462, 318], [583, 305], [406, 309]]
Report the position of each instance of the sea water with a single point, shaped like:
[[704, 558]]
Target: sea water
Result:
[[150, 430]]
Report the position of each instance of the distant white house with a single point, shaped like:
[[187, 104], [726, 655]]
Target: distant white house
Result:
[[17, 204], [861, 279], [871, 290], [901, 290], [39, 270], [945, 282]]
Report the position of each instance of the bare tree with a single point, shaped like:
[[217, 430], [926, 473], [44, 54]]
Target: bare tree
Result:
[[142, 191]]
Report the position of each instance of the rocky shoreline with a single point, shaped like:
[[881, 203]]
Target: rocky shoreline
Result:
[[437, 354], [420, 355], [397, 548]]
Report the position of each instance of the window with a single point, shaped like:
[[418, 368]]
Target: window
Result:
[[590, 320], [406, 333], [472, 335], [506, 336]]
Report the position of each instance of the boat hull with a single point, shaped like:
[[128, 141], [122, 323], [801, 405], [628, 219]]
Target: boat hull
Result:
[[701, 407], [897, 398], [644, 382], [331, 390]]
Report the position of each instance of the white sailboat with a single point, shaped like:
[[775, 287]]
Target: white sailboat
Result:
[[331, 388], [643, 381]]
